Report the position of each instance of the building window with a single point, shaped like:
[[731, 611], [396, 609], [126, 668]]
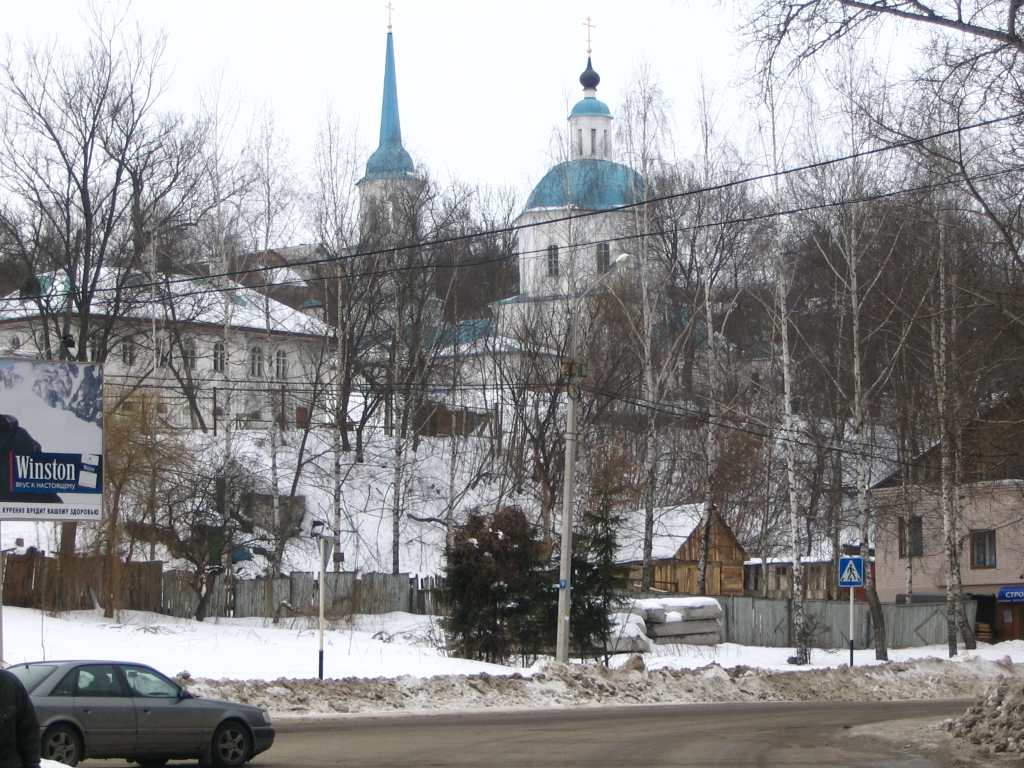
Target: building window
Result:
[[95, 347], [163, 354], [191, 354], [281, 364], [983, 549], [552, 261], [219, 357], [593, 141], [604, 258], [127, 353], [256, 362], [911, 531], [15, 342]]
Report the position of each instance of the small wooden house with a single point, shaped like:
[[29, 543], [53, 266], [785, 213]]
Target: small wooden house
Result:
[[676, 554]]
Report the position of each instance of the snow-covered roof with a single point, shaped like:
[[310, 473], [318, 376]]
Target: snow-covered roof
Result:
[[195, 300], [672, 526]]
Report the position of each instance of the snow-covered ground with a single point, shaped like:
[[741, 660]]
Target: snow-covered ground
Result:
[[396, 661], [390, 645]]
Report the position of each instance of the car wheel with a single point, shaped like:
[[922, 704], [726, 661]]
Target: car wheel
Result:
[[63, 744], [231, 745]]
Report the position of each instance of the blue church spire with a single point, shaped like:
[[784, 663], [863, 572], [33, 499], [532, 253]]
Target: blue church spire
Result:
[[390, 160]]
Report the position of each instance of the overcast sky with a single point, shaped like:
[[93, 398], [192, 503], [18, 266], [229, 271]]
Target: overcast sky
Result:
[[481, 85]]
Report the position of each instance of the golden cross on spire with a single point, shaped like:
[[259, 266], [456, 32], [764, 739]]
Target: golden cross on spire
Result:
[[390, 8], [589, 27]]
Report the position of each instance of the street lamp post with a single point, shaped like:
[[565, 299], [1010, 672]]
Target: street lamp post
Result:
[[573, 372], [316, 529]]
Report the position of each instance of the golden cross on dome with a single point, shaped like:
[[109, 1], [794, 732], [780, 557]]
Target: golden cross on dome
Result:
[[390, 8], [589, 27]]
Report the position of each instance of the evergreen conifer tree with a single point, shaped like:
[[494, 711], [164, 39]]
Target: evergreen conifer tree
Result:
[[495, 593]]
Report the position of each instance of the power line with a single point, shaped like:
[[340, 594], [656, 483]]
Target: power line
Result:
[[389, 269], [392, 268], [764, 431]]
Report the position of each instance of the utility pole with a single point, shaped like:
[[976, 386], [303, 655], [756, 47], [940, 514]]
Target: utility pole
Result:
[[568, 493], [573, 371]]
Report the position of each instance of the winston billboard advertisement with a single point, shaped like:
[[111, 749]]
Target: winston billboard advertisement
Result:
[[51, 440]]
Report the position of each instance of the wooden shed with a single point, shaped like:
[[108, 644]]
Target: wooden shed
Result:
[[678, 572]]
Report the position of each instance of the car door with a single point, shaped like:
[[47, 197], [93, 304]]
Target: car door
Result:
[[105, 710], [168, 721]]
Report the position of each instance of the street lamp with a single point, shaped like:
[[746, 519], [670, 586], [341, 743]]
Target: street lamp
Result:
[[569, 480], [316, 530]]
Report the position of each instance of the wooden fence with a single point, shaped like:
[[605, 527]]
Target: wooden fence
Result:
[[768, 622], [53, 584], [295, 595], [35, 581]]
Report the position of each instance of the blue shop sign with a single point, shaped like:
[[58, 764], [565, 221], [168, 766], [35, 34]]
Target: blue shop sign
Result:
[[1011, 594]]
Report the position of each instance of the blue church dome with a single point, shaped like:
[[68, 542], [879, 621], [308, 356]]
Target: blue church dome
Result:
[[587, 184], [390, 162], [590, 106]]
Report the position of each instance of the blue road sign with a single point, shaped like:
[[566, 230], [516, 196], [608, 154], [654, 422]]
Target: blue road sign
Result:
[[851, 571]]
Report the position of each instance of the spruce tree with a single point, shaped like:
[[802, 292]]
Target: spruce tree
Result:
[[495, 594], [596, 578]]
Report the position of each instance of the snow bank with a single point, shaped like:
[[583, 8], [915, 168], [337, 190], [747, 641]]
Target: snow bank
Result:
[[398, 662], [996, 720], [551, 684]]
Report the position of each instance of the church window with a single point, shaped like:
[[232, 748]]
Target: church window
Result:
[[15, 342], [281, 364], [256, 362], [579, 141], [127, 353], [604, 258], [191, 354], [552, 261], [219, 358], [593, 141]]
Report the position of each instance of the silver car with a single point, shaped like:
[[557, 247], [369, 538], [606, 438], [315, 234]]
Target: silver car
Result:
[[113, 709]]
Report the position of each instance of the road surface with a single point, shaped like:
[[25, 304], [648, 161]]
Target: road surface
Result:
[[763, 734]]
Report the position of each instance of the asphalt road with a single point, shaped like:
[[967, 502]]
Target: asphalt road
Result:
[[768, 734], [765, 734]]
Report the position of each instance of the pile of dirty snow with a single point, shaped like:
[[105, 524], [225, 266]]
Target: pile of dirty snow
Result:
[[549, 684], [996, 720]]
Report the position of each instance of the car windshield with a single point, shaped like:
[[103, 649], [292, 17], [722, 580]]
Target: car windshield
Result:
[[31, 675]]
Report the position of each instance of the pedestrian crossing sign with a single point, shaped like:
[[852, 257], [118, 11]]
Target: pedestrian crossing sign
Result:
[[851, 572]]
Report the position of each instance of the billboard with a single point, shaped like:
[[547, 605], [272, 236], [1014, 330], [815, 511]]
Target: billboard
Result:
[[51, 440]]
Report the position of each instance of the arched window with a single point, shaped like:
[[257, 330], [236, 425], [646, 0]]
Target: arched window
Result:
[[127, 353], [219, 357], [15, 342], [281, 364], [256, 362], [552, 261], [191, 354], [604, 258]]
